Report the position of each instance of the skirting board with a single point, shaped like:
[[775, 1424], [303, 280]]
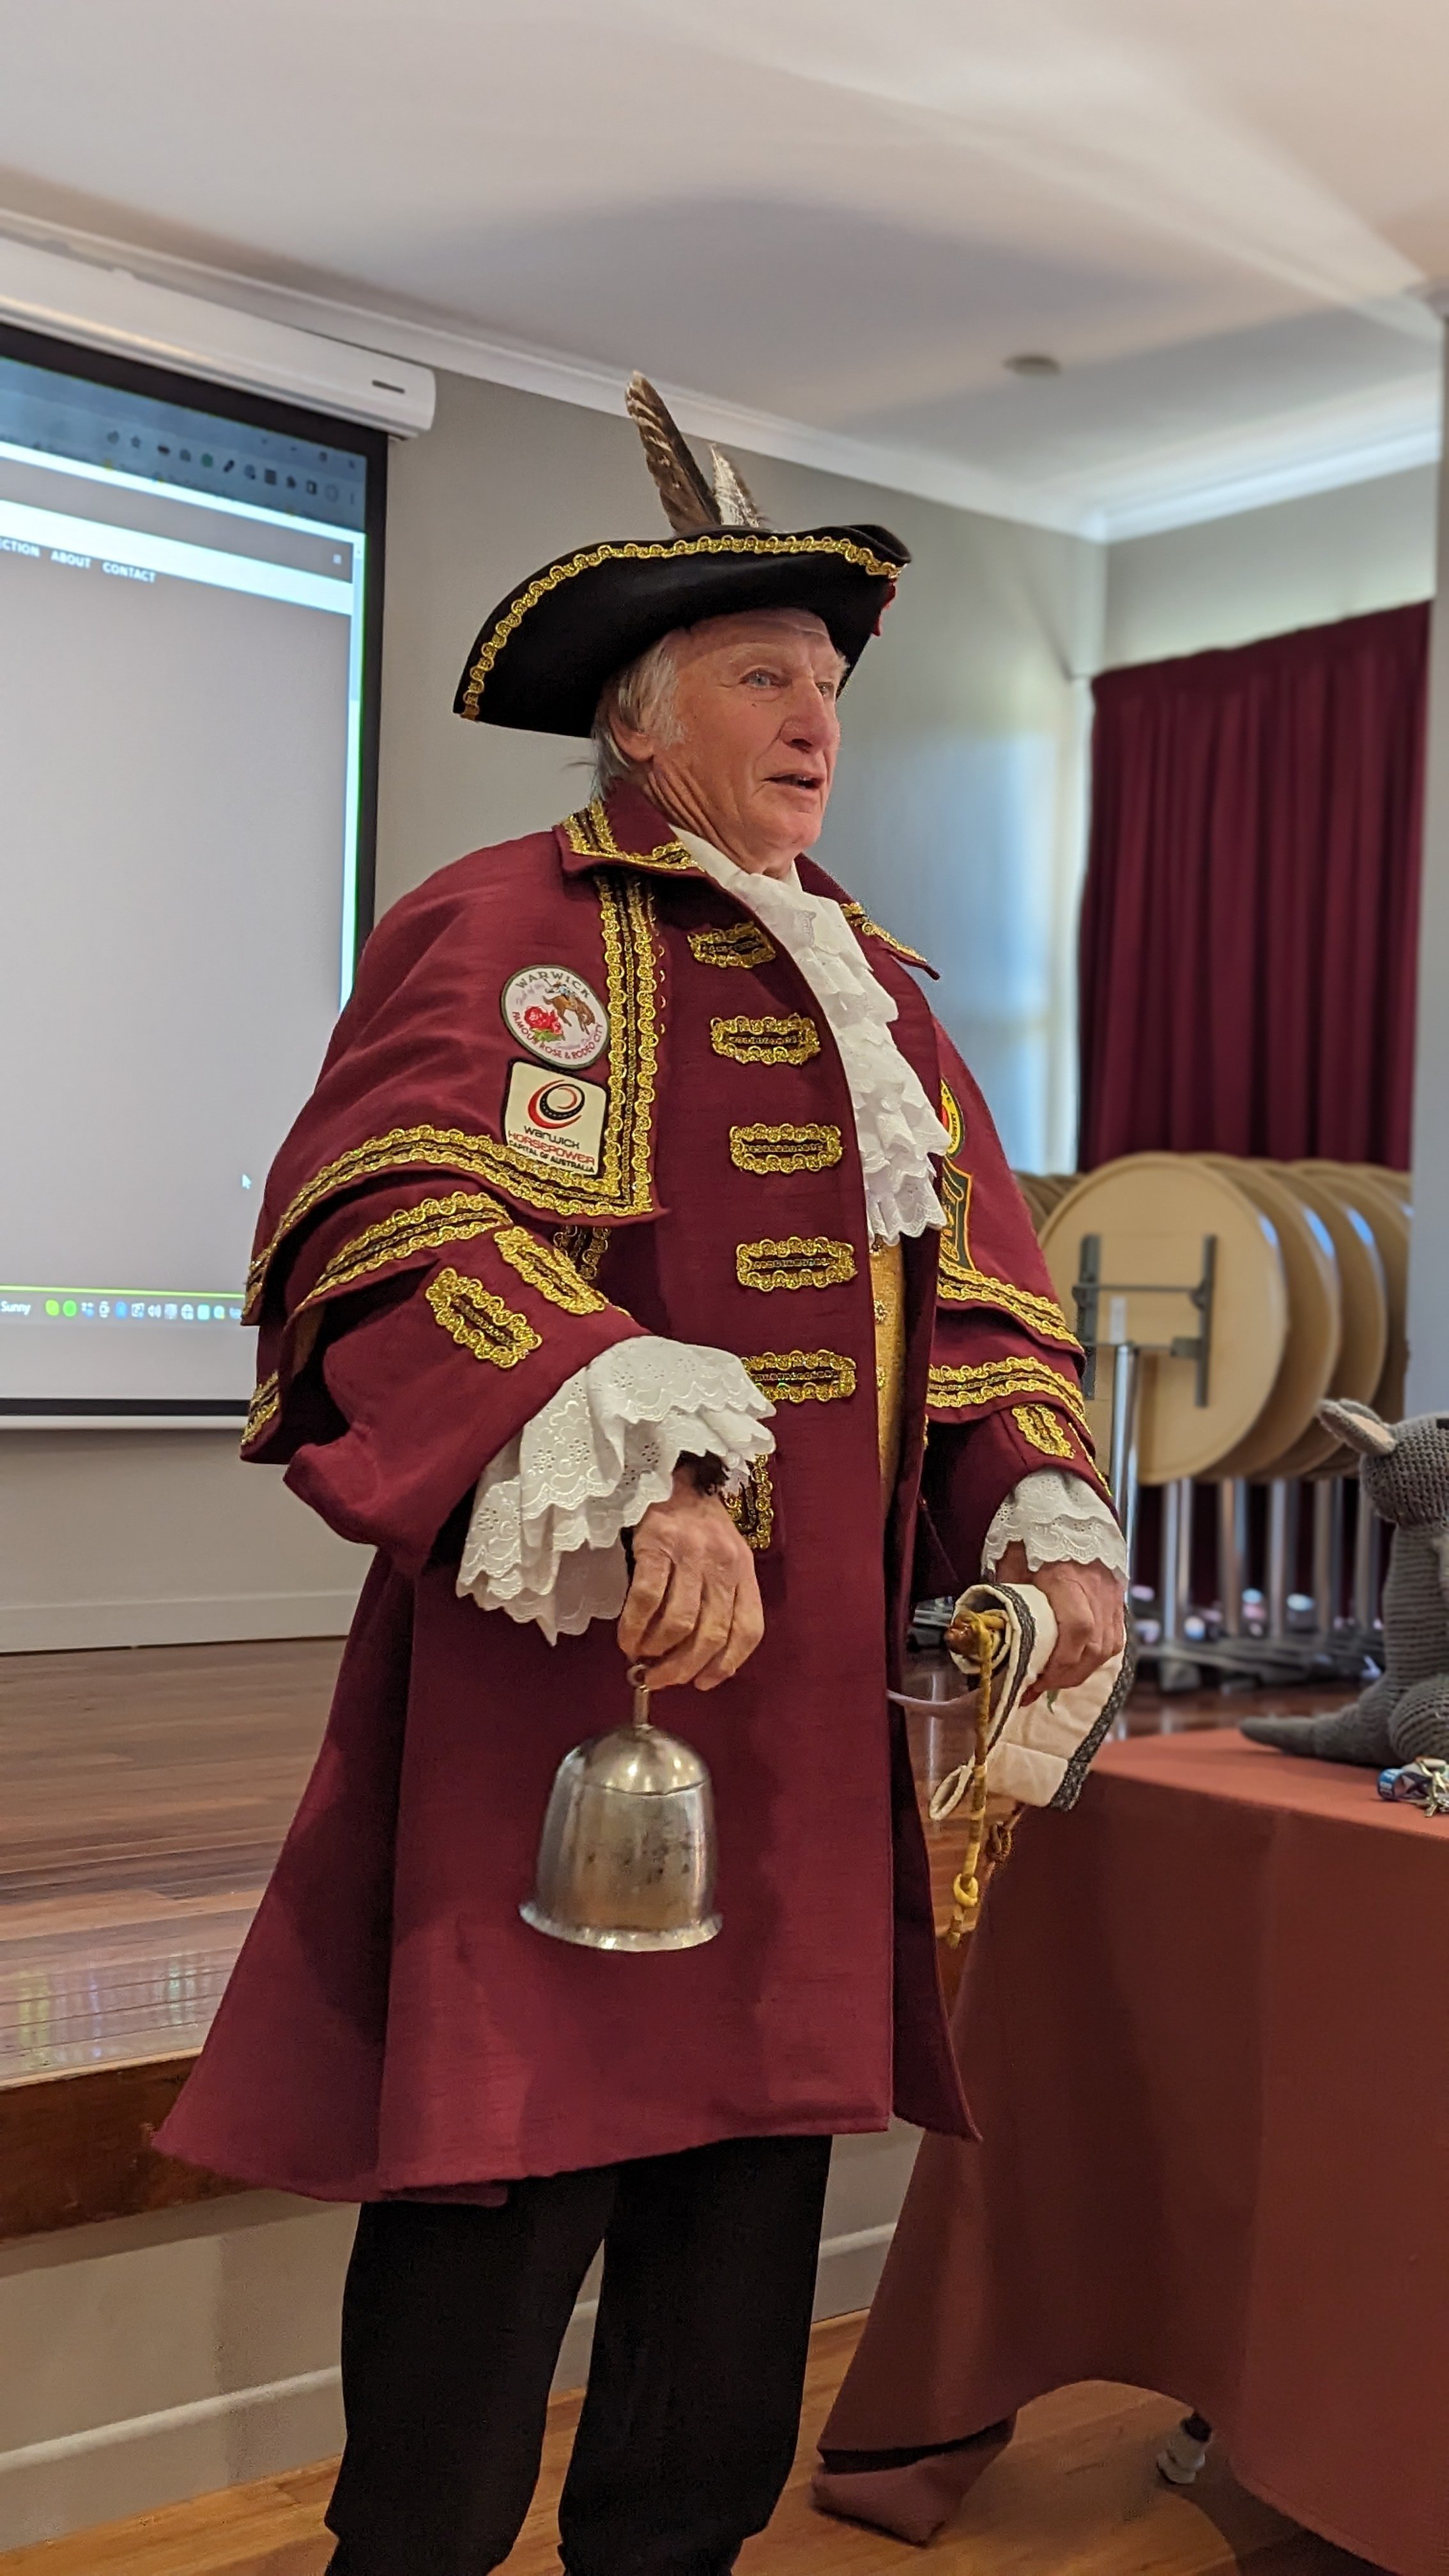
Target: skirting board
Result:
[[108, 2471], [50, 1627]]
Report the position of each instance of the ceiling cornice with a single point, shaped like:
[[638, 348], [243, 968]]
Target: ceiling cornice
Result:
[[1350, 441], [1360, 440], [462, 352]]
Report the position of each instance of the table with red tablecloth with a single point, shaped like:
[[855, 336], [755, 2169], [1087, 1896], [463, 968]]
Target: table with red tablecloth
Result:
[[1203, 2031]]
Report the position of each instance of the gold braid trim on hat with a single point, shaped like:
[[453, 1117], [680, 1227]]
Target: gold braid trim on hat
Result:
[[647, 550]]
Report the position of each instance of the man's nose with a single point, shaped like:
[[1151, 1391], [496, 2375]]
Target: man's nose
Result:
[[811, 722]]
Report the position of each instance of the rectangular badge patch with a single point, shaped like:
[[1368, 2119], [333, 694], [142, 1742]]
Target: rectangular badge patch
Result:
[[556, 1117]]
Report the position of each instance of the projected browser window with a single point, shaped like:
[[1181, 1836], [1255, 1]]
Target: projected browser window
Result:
[[181, 711]]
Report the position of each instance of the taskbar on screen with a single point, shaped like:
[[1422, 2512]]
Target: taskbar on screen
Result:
[[181, 1307]]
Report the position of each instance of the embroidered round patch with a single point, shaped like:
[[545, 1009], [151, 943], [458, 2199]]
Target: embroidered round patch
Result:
[[553, 1013]]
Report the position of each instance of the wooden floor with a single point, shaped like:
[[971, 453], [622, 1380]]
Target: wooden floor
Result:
[[144, 1794], [1076, 2495]]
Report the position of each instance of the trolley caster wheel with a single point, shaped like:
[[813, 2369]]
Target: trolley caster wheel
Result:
[[1182, 2455]]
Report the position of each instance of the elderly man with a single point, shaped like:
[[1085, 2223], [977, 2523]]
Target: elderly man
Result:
[[640, 1220]]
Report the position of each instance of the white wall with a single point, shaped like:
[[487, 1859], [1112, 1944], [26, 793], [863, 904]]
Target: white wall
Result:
[[158, 1538], [1265, 572], [152, 2359], [956, 817]]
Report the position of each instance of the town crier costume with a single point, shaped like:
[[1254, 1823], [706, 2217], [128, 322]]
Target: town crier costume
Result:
[[625, 1160]]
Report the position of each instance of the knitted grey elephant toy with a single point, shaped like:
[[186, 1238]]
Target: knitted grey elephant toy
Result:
[[1405, 1475]]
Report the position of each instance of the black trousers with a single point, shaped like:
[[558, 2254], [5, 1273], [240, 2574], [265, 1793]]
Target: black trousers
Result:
[[451, 2326]]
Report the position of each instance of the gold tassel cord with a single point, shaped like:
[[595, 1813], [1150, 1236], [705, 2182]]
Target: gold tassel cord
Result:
[[976, 1636]]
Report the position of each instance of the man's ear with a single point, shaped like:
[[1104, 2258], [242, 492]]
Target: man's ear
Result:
[[1359, 1425]]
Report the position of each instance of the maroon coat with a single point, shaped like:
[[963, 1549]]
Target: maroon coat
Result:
[[392, 2025]]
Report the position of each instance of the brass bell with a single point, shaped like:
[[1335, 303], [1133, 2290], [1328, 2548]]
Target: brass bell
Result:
[[626, 1860]]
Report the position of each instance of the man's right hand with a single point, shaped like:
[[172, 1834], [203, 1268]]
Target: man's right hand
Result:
[[693, 1611]]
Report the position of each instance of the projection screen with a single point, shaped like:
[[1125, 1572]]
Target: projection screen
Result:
[[190, 593]]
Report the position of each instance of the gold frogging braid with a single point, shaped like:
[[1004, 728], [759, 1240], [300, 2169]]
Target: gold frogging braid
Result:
[[622, 1185], [544, 1267], [458, 1218], [792, 1040], [646, 550], [785, 1149], [971, 1287], [954, 1390], [591, 835], [859, 919], [585, 1246], [802, 1377], [796, 1261], [480, 1322], [1044, 1429], [752, 1509], [958, 1281], [265, 1405], [742, 944]]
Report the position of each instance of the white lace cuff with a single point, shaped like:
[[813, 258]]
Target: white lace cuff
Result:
[[544, 1538], [1057, 1518]]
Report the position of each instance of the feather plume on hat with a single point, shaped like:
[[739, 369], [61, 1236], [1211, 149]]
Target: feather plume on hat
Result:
[[548, 650], [690, 505]]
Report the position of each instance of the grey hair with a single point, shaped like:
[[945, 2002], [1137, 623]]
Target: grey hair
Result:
[[643, 695]]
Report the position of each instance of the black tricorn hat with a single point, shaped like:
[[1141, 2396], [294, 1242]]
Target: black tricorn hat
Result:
[[544, 657]]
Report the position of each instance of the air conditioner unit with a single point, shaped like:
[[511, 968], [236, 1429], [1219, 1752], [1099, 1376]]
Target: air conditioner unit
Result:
[[108, 308]]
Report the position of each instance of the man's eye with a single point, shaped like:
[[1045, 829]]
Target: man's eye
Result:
[[759, 679]]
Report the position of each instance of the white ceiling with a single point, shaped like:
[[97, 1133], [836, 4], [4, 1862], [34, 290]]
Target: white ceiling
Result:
[[834, 220]]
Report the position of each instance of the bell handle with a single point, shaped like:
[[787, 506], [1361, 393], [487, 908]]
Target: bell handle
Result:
[[639, 1682]]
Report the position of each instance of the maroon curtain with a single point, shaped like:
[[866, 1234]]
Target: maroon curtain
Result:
[[1251, 907]]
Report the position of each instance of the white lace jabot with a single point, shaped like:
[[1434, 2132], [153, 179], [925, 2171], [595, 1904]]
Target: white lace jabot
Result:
[[896, 1127], [544, 1540]]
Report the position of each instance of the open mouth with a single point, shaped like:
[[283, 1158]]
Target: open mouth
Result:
[[797, 778]]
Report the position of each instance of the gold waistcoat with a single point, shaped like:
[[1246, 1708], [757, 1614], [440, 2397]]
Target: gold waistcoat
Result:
[[888, 1300]]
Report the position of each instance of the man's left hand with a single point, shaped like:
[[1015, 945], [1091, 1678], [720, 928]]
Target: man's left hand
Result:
[[1090, 1606]]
